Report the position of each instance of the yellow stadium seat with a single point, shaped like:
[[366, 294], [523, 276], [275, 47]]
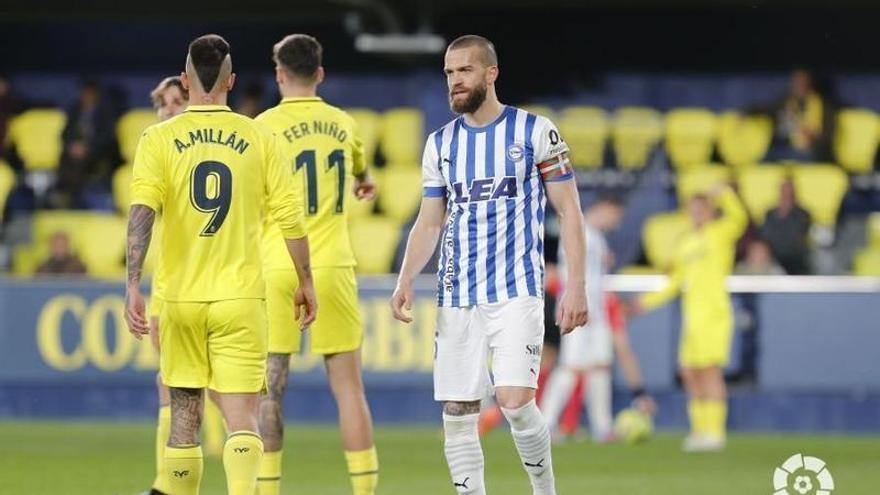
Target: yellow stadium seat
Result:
[[7, 182], [369, 129], [866, 262], [635, 131], [374, 240], [759, 189], [690, 136], [699, 180], [585, 129], [542, 110], [856, 139], [873, 229], [820, 190], [400, 191], [403, 134], [36, 136], [129, 130], [743, 140], [122, 188], [660, 236]]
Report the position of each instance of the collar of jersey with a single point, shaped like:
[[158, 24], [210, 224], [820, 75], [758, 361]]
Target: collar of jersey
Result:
[[486, 127], [208, 108], [301, 99]]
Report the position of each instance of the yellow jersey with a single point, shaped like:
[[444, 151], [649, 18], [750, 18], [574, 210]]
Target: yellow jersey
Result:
[[215, 175], [322, 147], [700, 267]]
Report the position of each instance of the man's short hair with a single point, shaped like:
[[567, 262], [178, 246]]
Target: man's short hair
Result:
[[610, 198], [164, 84], [488, 55], [299, 54], [207, 54]]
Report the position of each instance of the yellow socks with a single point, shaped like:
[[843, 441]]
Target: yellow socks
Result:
[[184, 465], [163, 429], [269, 479], [715, 417], [241, 460], [214, 430], [695, 415], [363, 467]]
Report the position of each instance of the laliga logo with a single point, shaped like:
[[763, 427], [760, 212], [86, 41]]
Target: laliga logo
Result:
[[802, 475]]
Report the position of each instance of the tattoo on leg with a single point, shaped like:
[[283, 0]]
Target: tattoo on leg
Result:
[[461, 408], [186, 416], [271, 413], [140, 231]]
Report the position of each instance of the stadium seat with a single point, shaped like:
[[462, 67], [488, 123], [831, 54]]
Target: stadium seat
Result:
[[400, 191], [866, 262], [98, 238], [129, 130], [743, 140], [585, 129], [7, 182], [690, 136], [759, 189], [403, 136], [369, 128], [122, 188], [36, 136], [820, 190], [374, 240], [661, 235], [856, 139], [872, 228], [542, 110], [635, 131], [699, 180]]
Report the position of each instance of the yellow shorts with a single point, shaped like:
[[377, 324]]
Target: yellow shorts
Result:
[[219, 345], [338, 327], [705, 346]]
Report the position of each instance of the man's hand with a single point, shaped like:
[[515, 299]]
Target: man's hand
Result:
[[305, 305], [572, 312], [402, 298], [135, 313], [364, 188]]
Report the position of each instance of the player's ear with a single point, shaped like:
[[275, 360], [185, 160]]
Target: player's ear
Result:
[[492, 74], [184, 81], [279, 75], [231, 82], [319, 75]]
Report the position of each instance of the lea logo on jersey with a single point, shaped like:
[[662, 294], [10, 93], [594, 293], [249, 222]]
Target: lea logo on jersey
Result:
[[490, 188]]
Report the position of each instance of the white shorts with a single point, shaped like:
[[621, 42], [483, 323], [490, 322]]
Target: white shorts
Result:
[[512, 331], [586, 347]]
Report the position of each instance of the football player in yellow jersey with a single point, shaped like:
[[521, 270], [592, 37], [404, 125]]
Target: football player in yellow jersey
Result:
[[704, 259], [322, 144], [214, 175], [170, 99]]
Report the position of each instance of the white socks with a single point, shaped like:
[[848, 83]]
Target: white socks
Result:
[[532, 439], [559, 388], [598, 403], [464, 455]]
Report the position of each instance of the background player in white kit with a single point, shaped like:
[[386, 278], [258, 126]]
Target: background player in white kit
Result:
[[588, 350], [487, 173]]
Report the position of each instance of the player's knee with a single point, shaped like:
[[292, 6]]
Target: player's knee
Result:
[[461, 408], [513, 397]]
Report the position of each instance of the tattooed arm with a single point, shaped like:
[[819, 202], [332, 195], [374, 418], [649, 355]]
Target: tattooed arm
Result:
[[140, 231]]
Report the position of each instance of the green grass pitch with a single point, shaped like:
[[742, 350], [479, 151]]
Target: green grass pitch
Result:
[[74, 458]]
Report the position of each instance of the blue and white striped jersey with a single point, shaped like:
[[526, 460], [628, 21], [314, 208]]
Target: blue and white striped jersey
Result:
[[493, 177]]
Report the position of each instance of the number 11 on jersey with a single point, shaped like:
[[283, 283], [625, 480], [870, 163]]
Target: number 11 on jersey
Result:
[[335, 160]]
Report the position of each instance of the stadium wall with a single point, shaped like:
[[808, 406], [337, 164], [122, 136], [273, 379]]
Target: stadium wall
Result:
[[65, 352]]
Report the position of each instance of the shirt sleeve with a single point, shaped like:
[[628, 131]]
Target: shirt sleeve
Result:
[[734, 218], [669, 292], [148, 178], [551, 152], [281, 198], [359, 160], [433, 184]]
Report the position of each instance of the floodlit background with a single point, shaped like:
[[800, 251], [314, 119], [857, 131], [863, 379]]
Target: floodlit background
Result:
[[657, 100]]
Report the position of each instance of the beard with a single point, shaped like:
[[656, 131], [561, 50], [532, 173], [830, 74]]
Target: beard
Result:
[[471, 102]]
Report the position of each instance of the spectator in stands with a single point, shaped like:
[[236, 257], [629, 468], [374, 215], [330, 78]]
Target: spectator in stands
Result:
[[90, 149], [62, 260], [251, 101], [786, 229], [804, 120], [758, 261]]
